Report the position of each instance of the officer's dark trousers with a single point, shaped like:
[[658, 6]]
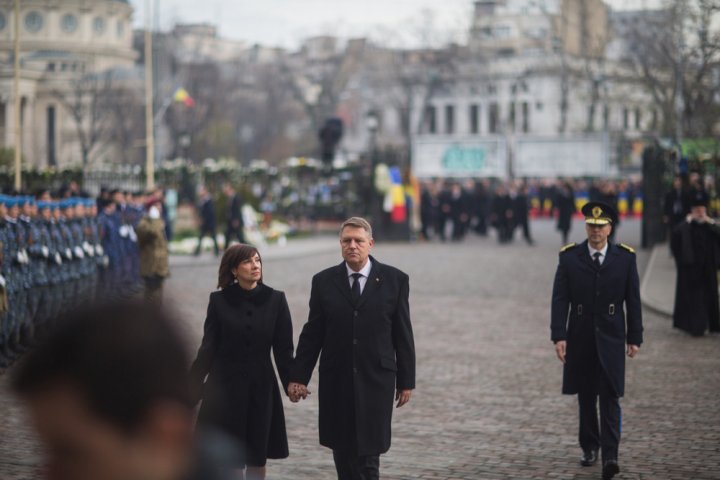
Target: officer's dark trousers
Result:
[[606, 435]]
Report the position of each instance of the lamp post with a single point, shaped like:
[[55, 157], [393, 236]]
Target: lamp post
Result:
[[18, 103], [371, 124], [149, 118]]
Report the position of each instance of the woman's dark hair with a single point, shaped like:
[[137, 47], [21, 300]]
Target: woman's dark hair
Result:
[[231, 259]]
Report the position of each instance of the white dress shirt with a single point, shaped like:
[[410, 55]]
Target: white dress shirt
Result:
[[602, 252], [365, 272]]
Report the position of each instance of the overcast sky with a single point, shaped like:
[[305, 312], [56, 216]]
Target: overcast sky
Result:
[[285, 22]]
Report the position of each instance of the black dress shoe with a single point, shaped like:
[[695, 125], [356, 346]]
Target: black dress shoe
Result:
[[610, 469], [589, 458]]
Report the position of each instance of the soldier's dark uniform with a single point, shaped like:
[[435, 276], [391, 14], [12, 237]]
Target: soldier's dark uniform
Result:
[[587, 312], [39, 252], [70, 257], [21, 279], [6, 352], [57, 275]]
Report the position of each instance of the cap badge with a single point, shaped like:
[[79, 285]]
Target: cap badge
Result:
[[596, 212]]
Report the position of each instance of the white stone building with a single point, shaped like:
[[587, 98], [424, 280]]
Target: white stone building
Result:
[[60, 40]]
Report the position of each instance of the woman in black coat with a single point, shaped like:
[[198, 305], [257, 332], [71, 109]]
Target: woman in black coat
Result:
[[233, 372]]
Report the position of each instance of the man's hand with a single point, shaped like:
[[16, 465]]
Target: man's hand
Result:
[[297, 391], [402, 397], [632, 350], [560, 347]]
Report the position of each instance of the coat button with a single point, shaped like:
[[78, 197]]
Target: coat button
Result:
[[355, 341], [355, 313]]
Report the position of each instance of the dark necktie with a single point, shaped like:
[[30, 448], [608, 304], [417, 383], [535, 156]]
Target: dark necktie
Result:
[[356, 287], [596, 255]]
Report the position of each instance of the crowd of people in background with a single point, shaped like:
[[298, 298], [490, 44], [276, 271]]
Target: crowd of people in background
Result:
[[449, 210]]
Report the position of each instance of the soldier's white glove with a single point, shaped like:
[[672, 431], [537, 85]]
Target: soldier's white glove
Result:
[[58, 258], [124, 231], [106, 261], [19, 257], [2, 281], [45, 251], [88, 249], [68, 254], [99, 250], [133, 235], [78, 252], [26, 258]]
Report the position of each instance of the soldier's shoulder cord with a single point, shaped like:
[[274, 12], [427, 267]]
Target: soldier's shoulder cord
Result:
[[627, 247], [567, 247]]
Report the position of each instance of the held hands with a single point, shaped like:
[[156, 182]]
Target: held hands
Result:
[[297, 392]]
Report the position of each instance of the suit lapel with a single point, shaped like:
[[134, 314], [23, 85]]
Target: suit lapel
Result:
[[373, 282], [584, 254], [610, 255], [343, 284]]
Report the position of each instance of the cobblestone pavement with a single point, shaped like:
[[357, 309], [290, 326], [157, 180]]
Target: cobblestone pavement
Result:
[[488, 402]]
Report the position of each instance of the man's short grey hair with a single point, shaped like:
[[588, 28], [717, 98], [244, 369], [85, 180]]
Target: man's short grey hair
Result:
[[357, 222]]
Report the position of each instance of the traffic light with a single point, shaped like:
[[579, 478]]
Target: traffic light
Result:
[[330, 135]]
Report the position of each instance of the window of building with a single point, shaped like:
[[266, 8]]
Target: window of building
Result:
[[525, 117], [626, 118], [69, 23], [493, 114], [99, 25], [120, 28], [449, 119], [606, 117], [430, 120], [591, 117], [491, 89], [51, 137], [539, 106], [512, 116], [33, 22], [474, 119], [503, 31], [51, 67], [3, 21], [638, 119]]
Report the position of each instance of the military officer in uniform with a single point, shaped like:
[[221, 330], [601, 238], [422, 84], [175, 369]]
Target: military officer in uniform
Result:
[[592, 332]]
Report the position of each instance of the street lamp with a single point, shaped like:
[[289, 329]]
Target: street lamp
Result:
[[372, 124]]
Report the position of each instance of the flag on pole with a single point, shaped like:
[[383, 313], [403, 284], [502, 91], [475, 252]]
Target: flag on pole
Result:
[[182, 96]]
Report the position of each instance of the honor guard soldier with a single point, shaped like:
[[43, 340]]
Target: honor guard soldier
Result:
[[592, 331], [6, 352]]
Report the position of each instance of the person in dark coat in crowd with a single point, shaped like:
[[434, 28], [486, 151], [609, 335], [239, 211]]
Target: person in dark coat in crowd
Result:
[[596, 319], [245, 320], [502, 214], [565, 206], [610, 196], [109, 397], [481, 204], [429, 210], [360, 321], [460, 211], [676, 205], [208, 222], [521, 208], [235, 225], [696, 246], [445, 211]]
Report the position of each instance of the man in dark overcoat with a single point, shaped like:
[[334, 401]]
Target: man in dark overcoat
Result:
[[695, 245], [235, 224], [360, 322], [592, 331]]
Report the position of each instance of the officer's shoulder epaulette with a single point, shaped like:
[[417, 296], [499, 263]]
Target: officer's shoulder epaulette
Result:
[[627, 247], [567, 247]]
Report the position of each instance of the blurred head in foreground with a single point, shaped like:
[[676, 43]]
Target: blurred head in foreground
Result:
[[107, 393]]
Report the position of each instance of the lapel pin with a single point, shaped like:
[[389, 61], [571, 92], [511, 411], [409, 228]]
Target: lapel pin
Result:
[[377, 279]]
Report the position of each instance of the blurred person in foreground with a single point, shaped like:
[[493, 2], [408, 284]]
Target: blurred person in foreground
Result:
[[109, 398], [233, 372], [596, 283], [154, 256], [696, 247], [359, 321]]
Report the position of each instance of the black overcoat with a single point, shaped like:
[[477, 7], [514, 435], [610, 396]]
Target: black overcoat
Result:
[[367, 352], [241, 394], [587, 308], [696, 248], [565, 205]]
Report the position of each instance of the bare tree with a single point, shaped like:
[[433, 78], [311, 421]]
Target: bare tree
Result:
[[86, 100], [675, 54]]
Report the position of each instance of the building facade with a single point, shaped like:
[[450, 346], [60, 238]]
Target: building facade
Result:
[[61, 41]]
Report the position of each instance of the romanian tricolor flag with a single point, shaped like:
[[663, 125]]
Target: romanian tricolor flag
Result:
[[397, 193], [182, 96]]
